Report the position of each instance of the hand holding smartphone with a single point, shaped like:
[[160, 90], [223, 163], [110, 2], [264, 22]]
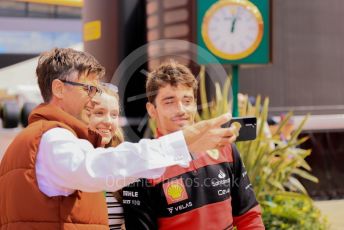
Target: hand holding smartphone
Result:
[[248, 130]]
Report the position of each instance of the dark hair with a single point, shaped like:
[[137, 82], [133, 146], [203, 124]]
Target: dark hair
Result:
[[60, 63], [173, 74]]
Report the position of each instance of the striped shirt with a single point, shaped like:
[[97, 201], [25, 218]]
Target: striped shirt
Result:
[[115, 212]]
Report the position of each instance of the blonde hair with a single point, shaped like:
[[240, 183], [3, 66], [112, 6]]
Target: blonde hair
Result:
[[112, 90], [118, 138]]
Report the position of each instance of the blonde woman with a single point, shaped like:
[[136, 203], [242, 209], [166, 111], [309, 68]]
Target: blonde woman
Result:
[[104, 118]]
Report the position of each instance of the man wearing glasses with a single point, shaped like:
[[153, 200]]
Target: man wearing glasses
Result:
[[52, 174]]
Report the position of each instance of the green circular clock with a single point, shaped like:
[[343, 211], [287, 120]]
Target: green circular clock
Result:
[[232, 29]]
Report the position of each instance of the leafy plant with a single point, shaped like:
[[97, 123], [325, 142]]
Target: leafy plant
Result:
[[292, 212]]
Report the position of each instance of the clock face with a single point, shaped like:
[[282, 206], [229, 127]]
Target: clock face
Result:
[[232, 29]]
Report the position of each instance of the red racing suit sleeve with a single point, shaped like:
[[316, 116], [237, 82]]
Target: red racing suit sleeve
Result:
[[245, 208]]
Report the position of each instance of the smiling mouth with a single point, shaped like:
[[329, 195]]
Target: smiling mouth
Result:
[[104, 131]]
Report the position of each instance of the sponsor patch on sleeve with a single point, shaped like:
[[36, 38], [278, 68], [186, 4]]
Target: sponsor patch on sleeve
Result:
[[175, 191]]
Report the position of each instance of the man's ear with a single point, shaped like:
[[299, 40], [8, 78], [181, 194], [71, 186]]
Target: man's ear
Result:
[[151, 110], [57, 88]]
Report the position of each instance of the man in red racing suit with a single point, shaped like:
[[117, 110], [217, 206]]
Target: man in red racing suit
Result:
[[214, 192]]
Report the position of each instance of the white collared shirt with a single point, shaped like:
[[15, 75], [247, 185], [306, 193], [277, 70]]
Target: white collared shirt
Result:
[[66, 163]]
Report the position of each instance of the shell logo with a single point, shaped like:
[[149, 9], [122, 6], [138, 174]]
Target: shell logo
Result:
[[175, 191]]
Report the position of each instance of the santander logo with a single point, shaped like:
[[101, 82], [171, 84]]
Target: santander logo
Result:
[[221, 174]]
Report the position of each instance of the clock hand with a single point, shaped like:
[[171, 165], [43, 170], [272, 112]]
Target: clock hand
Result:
[[236, 17], [233, 24]]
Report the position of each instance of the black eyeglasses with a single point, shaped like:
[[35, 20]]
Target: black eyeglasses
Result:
[[90, 89]]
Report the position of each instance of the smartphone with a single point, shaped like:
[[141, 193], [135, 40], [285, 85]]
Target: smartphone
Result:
[[248, 130]]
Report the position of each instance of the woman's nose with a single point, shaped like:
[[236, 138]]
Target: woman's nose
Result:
[[107, 119]]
